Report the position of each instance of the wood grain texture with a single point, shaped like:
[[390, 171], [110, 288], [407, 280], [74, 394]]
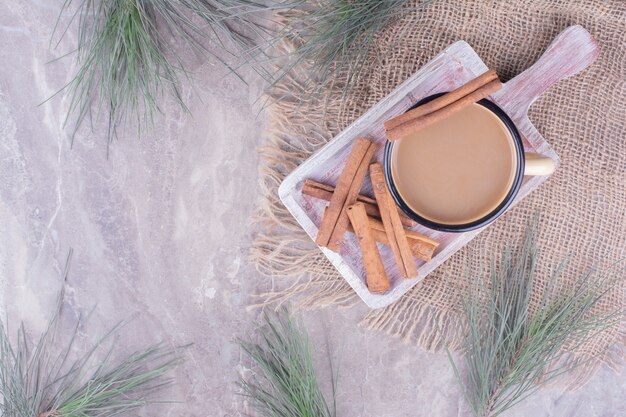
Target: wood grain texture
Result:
[[573, 50]]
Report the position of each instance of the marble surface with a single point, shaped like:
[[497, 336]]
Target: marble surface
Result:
[[160, 233]]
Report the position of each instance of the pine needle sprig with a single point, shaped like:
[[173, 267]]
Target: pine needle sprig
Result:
[[47, 380], [336, 39], [126, 58], [284, 383], [512, 347]]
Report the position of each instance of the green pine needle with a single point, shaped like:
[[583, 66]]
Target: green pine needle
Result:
[[127, 60], [336, 38], [512, 347], [284, 382], [45, 380]]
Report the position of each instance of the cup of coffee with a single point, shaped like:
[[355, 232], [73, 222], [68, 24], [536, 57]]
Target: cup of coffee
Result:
[[462, 172]]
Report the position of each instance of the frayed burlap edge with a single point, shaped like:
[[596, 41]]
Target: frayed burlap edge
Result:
[[281, 249]]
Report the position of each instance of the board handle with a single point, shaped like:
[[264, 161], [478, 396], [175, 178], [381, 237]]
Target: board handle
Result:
[[570, 52]]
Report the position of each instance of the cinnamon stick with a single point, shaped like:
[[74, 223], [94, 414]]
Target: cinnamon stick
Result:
[[421, 246], [418, 123], [331, 215], [325, 192], [336, 239], [376, 277], [391, 220], [442, 101], [421, 249]]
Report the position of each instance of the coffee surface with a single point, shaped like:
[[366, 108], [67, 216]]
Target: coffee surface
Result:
[[457, 170]]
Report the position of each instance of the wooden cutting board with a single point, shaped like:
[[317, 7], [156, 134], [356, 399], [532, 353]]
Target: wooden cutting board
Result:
[[573, 50]]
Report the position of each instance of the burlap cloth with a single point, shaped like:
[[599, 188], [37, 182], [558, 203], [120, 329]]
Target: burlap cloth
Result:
[[584, 119]]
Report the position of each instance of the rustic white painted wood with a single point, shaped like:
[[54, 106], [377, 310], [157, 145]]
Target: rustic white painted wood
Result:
[[573, 50]]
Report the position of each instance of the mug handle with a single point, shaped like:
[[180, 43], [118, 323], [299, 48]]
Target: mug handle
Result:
[[537, 164]]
